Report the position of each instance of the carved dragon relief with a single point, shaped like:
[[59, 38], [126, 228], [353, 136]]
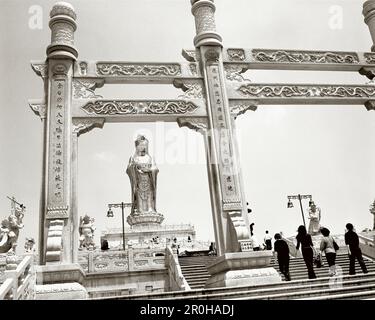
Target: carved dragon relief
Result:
[[121, 107], [85, 88], [304, 56], [193, 89], [139, 69], [288, 91], [233, 72]]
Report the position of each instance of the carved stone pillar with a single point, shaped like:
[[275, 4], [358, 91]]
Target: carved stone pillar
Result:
[[204, 13], [57, 247], [200, 125], [369, 14], [232, 233], [79, 126]]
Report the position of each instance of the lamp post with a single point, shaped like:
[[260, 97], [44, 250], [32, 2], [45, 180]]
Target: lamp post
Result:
[[121, 205], [300, 197]]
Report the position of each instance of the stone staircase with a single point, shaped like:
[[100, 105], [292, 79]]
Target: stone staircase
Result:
[[298, 270], [359, 286], [195, 271]]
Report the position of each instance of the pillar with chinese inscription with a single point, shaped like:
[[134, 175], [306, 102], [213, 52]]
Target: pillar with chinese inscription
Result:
[[57, 229], [369, 15], [236, 264]]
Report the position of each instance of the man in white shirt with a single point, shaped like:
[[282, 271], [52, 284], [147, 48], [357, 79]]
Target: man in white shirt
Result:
[[268, 241]]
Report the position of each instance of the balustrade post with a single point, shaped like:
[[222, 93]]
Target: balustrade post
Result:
[[130, 258], [90, 264]]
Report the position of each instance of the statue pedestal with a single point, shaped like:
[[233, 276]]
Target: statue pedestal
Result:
[[60, 282], [242, 268], [59, 273], [145, 219]]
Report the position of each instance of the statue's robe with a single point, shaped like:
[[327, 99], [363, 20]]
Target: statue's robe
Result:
[[143, 183]]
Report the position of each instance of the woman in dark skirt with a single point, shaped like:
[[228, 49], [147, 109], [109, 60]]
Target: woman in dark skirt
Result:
[[304, 240]]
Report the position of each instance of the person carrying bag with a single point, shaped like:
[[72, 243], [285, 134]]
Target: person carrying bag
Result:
[[328, 245]]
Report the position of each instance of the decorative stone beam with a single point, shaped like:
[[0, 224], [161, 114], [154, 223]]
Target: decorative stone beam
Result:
[[38, 107], [138, 110], [83, 125], [302, 93], [298, 59], [197, 124], [135, 72]]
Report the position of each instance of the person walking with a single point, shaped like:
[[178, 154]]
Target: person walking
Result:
[[354, 251], [327, 246], [282, 249], [305, 242], [268, 241]]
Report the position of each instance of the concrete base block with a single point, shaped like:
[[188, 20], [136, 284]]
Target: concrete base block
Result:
[[247, 277], [242, 268], [61, 291], [59, 273]]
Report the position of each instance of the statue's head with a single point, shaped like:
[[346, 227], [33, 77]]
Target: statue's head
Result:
[[5, 223], [313, 206], [86, 219], [13, 220], [141, 145]]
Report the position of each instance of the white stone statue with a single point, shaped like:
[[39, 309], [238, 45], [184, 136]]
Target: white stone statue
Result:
[[142, 172], [314, 216], [29, 245], [10, 229], [86, 232]]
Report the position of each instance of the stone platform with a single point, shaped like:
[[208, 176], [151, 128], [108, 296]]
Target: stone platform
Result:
[[143, 235]]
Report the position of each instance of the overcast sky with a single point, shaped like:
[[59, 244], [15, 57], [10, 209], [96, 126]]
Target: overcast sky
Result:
[[326, 151]]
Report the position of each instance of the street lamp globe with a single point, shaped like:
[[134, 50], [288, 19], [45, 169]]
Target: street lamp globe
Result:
[[110, 213]]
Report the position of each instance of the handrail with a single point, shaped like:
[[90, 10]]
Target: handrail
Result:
[[177, 279], [19, 283], [6, 289]]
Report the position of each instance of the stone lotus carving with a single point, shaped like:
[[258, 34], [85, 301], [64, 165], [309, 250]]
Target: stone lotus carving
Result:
[[288, 91], [113, 107], [304, 56], [86, 233], [131, 69]]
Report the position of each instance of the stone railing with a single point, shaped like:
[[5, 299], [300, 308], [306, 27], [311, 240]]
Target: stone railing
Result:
[[167, 227], [122, 261], [19, 283], [177, 281], [292, 248], [367, 244]]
